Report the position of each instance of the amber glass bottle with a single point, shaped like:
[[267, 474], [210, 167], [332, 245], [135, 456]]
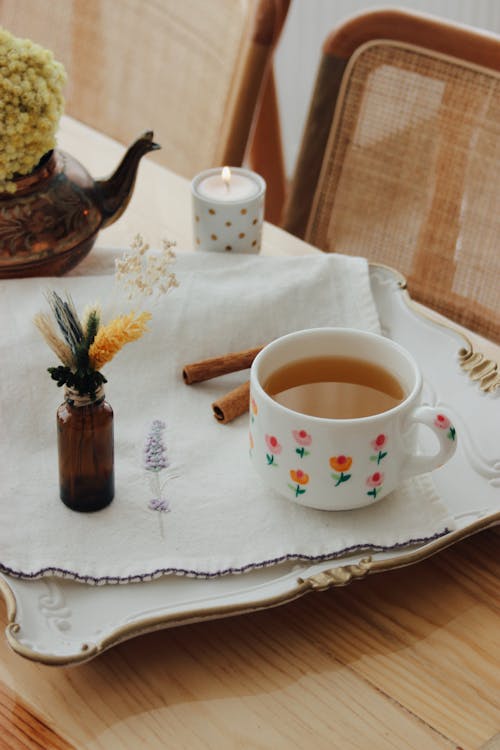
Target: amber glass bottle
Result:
[[86, 451]]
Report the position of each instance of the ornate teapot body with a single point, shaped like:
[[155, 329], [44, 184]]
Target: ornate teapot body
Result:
[[52, 220]]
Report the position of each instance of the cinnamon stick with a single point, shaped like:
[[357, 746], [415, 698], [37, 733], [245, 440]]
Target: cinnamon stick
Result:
[[215, 366], [232, 404]]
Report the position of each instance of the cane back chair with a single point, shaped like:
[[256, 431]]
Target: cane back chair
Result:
[[400, 160]]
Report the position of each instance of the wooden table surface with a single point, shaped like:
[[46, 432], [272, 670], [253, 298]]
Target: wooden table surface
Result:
[[407, 659]]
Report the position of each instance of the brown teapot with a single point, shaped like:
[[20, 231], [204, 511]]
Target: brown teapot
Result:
[[52, 220]]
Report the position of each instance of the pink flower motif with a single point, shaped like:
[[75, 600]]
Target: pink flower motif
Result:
[[274, 446], [442, 422], [375, 480], [379, 442], [302, 437]]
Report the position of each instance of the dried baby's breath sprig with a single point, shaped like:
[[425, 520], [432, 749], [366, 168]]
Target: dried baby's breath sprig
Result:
[[143, 273]]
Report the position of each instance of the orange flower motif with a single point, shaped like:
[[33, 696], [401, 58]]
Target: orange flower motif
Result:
[[253, 406], [299, 476], [341, 463]]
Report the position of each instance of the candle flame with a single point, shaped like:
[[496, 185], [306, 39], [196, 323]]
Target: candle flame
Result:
[[226, 176]]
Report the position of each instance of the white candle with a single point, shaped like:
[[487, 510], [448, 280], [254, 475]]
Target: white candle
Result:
[[228, 210], [228, 186]]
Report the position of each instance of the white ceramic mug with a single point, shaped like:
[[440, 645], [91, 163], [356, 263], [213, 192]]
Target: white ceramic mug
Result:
[[339, 464]]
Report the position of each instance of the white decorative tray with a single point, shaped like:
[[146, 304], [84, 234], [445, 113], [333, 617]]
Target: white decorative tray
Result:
[[59, 621]]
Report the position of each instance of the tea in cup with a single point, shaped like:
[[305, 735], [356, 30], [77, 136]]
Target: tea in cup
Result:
[[332, 418]]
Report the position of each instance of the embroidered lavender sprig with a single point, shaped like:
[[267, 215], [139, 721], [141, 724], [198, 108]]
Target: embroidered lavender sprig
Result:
[[155, 461], [155, 453], [160, 504]]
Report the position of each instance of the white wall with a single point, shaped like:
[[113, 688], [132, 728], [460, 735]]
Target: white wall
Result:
[[310, 21]]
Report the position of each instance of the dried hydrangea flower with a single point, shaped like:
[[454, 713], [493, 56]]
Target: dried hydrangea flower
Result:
[[31, 83]]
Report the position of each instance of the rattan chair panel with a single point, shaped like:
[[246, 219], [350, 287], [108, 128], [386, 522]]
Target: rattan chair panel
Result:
[[411, 177]]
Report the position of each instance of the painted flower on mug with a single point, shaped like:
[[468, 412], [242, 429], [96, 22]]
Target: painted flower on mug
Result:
[[444, 423], [375, 482], [300, 478], [254, 410], [250, 440], [304, 440], [274, 447], [341, 465], [378, 446]]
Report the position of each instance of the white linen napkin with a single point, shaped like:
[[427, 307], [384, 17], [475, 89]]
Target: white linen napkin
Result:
[[220, 519]]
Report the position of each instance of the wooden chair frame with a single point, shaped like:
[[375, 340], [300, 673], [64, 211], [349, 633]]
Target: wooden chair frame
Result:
[[477, 47]]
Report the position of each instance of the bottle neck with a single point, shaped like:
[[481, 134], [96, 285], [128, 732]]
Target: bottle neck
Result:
[[77, 399]]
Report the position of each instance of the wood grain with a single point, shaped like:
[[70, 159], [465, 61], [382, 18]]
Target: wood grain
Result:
[[243, 682], [21, 729], [492, 744], [422, 636], [460, 41]]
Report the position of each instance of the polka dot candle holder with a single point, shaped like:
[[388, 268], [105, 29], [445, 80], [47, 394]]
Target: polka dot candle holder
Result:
[[228, 210]]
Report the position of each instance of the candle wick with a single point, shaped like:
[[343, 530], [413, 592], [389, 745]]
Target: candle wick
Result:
[[226, 178]]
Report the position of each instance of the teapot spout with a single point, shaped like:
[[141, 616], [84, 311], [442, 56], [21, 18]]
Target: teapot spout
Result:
[[112, 195]]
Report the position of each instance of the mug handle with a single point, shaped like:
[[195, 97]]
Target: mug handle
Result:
[[445, 432]]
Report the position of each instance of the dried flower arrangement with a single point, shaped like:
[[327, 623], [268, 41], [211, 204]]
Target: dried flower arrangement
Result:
[[31, 83], [86, 345]]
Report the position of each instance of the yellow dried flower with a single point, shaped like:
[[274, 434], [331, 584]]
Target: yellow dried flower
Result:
[[31, 104], [112, 337]]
